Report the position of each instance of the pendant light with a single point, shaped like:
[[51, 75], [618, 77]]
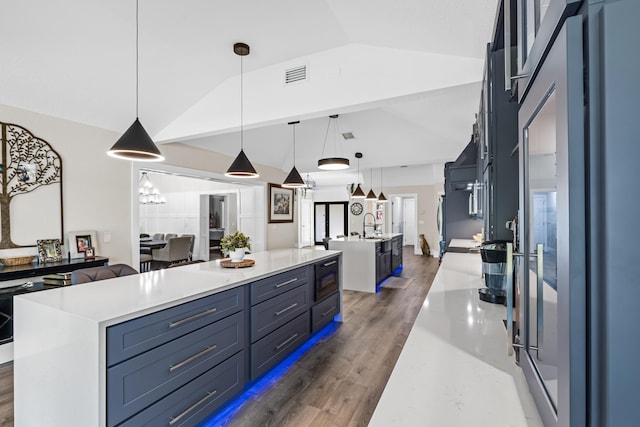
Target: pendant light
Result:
[[241, 166], [135, 143], [358, 193], [371, 195], [381, 197], [332, 163], [294, 180]]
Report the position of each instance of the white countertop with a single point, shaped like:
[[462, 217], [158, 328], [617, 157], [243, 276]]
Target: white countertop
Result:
[[115, 300], [454, 369], [463, 243]]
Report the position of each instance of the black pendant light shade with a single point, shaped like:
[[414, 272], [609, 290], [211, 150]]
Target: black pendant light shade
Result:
[[136, 144], [371, 195], [333, 163], [294, 180], [241, 167], [358, 193]]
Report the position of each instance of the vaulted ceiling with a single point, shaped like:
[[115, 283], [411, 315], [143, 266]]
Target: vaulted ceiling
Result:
[[403, 75]]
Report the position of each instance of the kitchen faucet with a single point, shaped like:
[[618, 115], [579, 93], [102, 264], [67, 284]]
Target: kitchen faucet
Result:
[[364, 220]]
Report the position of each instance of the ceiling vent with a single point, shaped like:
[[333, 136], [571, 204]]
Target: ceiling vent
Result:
[[296, 74], [348, 135]]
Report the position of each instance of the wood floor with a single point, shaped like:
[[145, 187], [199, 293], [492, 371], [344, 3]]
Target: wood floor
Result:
[[340, 380]]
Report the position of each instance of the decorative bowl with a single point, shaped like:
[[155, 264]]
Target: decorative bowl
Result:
[[19, 260]]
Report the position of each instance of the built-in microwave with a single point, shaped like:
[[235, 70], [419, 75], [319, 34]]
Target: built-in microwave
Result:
[[327, 280]]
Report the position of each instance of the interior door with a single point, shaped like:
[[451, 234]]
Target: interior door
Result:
[[409, 221], [552, 203]]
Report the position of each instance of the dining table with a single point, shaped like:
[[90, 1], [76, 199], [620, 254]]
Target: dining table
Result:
[[152, 243]]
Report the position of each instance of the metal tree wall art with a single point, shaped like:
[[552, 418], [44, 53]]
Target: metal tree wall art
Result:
[[28, 164]]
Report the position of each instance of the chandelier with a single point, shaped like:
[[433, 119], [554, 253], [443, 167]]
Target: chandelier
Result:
[[147, 193]]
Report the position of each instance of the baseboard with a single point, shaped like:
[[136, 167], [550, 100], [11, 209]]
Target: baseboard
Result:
[[6, 353]]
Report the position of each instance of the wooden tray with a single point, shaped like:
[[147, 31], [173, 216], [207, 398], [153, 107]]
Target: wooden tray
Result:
[[244, 263]]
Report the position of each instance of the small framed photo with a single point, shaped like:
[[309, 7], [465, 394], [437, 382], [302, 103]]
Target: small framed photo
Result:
[[89, 252], [280, 204], [79, 241], [49, 250]]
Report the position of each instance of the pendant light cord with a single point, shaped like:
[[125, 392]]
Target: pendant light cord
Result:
[[137, 59], [294, 145], [241, 106], [326, 134]]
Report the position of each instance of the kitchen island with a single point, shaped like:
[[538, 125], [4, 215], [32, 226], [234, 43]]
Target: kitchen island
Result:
[[368, 261], [168, 346]]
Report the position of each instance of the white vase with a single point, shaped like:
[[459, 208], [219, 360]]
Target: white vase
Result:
[[237, 255]]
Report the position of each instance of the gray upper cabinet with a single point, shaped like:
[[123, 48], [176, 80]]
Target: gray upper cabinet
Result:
[[497, 150]]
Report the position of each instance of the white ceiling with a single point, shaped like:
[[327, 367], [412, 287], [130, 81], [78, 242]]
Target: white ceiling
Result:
[[403, 75]]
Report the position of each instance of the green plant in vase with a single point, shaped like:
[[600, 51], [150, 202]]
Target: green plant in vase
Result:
[[235, 245]]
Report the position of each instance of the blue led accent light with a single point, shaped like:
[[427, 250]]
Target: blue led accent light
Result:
[[398, 270], [227, 412]]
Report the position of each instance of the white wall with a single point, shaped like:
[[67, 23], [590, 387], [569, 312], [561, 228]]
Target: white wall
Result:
[[95, 186]]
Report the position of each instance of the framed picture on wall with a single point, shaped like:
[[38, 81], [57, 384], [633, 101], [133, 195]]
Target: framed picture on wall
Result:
[[80, 241], [280, 204]]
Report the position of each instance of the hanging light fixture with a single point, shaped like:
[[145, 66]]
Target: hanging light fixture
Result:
[[371, 195], [241, 166], [135, 143], [309, 183], [294, 180], [147, 193], [381, 197], [358, 193], [332, 163]]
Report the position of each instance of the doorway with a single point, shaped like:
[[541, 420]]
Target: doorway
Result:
[[404, 219], [330, 220]]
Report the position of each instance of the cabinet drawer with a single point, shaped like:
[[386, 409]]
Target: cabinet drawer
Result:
[[267, 316], [270, 350], [131, 338], [267, 288], [192, 403], [323, 312], [139, 382]]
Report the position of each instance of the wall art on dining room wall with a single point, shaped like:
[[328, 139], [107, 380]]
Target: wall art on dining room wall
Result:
[[30, 188]]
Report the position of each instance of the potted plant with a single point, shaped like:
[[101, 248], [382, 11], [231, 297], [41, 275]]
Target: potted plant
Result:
[[235, 245]]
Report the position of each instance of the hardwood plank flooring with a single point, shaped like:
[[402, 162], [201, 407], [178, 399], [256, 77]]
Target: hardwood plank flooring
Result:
[[340, 380], [6, 395]]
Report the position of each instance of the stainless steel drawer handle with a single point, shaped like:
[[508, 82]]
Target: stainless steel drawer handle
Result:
[[278, 313], [174, 420], [286, 283], [327, 264], [291, 338], [192, 358], [327, 312], [190, 318]]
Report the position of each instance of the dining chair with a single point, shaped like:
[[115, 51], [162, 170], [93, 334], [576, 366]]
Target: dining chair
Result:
[[193, 242], [93, 274], [158, 236], [170, 236], [176, 250]]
